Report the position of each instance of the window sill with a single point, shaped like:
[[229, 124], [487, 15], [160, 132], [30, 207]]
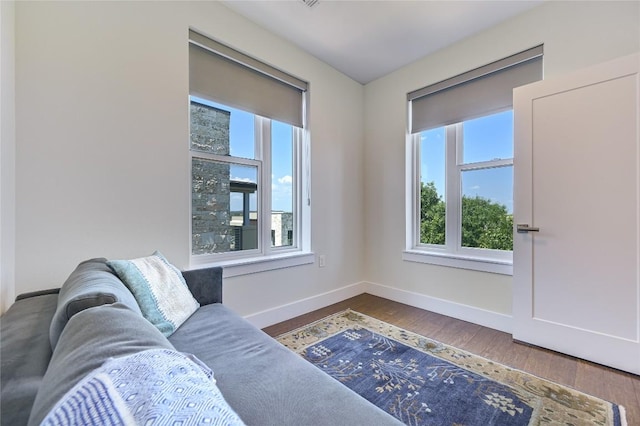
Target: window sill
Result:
[[495, 266], [253, 265]]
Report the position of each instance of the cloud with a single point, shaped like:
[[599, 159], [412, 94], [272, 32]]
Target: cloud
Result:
[[285, 180], [239, 179], [282, 193]]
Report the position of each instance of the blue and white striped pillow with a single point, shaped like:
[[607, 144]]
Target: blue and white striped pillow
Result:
[[159, 289]]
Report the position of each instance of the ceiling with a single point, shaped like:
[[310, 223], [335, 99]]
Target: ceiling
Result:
[[369, 39]]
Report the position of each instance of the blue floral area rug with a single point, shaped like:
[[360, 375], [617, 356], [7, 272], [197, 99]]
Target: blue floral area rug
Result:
[[424, 382]]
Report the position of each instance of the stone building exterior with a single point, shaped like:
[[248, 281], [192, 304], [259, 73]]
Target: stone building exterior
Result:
[[281, 228], [215, 228], [211, 221]]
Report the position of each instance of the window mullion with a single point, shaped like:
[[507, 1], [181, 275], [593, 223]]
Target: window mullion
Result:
[[263, 153], [258, 140], [296, 189], [415, 177], [303, 161], [452, 194], [223, 158], [459, 138], [492, 164]]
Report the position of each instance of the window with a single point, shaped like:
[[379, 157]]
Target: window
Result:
[[474, 159], [460, 166], [248, 158]]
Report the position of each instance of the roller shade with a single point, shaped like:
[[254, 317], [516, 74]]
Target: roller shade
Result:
[[475, 93], [222, 74]]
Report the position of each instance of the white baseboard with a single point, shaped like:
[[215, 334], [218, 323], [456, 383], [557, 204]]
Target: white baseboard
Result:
[[291, 310], [468, 313]]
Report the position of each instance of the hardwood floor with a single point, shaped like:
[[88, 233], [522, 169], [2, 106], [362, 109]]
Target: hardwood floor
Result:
[[603, 382]]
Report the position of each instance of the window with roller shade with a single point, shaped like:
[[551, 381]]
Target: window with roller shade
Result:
[[249, 157], [460, 166]]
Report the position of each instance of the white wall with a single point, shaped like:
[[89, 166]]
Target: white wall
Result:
[[102, 137], [101, 167], [575, 35], [7, 154]]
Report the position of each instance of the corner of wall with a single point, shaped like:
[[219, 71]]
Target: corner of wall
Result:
[[7, 154], [473, 314], [299, 307]]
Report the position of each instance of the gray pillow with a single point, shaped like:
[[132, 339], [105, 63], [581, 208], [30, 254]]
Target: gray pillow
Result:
[[91, 284], [89, 339]]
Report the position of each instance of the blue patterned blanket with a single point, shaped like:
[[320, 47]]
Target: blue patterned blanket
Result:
[[154, 387]]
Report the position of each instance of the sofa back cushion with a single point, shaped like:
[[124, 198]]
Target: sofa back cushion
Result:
[[91, 284], [90, 338]]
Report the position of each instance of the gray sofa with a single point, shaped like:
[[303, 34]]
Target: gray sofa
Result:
[[93, 317]]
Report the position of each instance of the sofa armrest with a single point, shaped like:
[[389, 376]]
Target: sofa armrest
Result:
[[37, 293], [205, 284], [25, 352]]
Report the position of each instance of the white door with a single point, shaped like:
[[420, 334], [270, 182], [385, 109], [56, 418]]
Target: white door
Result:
[[577, 180]]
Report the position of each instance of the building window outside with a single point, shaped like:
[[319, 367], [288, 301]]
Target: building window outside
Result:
[[231, 151]]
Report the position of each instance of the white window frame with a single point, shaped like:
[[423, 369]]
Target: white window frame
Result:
[[452, 253], [265, 257]]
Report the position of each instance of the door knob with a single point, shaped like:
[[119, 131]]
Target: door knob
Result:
[[523, 228]]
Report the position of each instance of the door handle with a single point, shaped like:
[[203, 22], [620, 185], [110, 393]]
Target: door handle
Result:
[[523, 228]]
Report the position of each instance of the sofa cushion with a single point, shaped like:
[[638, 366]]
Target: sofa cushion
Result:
[[90, 338], [149, 387], [91, 284], [159, 288], [266, 383], [24, 354]]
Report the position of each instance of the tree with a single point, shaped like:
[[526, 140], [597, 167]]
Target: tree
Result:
[[432, 215], [485, 224]]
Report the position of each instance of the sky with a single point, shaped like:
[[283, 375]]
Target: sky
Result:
[[486, 138], [242, 140]]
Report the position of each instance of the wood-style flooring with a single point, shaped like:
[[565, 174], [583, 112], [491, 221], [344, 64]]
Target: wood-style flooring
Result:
[[603, 382]]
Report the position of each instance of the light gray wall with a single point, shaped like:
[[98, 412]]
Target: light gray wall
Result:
[[102, 139], [575, 35], [7, 154]]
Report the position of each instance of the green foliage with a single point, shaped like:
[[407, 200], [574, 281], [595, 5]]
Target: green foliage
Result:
[[432, 215], [485, 224]]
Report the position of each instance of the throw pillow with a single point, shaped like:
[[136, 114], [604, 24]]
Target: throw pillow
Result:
[[160, 290]]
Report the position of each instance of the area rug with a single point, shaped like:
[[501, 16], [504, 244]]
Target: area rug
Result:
[[424, 382]]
